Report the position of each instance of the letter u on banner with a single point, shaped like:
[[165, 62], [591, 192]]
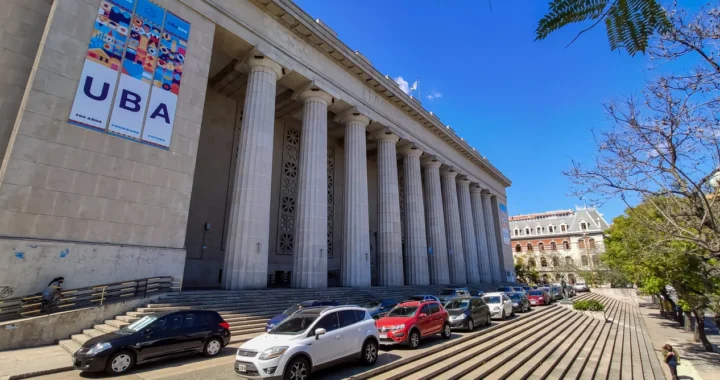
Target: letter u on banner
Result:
[[94, 94], [138, 67], [166, 83]]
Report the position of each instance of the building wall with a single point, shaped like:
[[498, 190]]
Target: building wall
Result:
[[60, 182], [575, 252], [22, 24]]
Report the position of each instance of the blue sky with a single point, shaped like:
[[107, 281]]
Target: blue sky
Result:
[[527, 106]]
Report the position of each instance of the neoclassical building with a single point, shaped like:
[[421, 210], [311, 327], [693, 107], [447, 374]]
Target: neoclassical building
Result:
[[559, 242], [287, 158]]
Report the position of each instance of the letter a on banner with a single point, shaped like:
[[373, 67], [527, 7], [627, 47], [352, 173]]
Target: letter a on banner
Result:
[[94, 94], [166, 83], [138, 68]]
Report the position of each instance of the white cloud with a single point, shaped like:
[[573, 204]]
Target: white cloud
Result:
[[434, 95], [404, 85]]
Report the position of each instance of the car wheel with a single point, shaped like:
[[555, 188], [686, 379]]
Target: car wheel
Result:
[[471, 325], [512, 313], [298, 369], [212, 347], [369, 353], [414, 340], [489, 320], [120, 362], [502, 316], [447, 331]]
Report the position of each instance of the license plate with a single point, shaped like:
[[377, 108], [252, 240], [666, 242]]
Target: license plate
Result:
[[383, 336], [242, 367], [533, 302]]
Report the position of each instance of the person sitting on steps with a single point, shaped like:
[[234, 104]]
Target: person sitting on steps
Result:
[[51, 295]]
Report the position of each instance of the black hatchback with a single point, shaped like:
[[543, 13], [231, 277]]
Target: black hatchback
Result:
[[154, 337], [468, 312]]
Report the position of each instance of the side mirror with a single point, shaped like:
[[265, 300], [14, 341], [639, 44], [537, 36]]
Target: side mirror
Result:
[[422, 315], [319, 332]]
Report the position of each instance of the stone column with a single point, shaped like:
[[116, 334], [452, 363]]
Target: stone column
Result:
[[416, 269], [491, 239], [389, 236], [456, 253], [480, 233], [472, 267], [355, 261], [310, 250], [435, 222], [246, 260]]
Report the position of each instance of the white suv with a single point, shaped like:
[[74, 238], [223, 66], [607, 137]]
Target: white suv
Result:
[[581, 287], [308, 340]]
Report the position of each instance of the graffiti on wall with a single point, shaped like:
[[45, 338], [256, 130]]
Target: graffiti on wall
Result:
[[6, 291]]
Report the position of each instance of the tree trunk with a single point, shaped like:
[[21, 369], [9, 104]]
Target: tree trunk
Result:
[[674, 312], [688, 321], [699, 335], [662, 304]]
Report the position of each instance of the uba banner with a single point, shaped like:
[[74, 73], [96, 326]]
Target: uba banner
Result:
[[504, 224], [143, 45]]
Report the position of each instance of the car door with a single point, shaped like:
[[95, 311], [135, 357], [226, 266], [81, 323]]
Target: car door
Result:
[[425, 324], [193, 331], [484, 310], [507, 304], [160, 338], [351, 332], [438, 318], [329, 346], [475, 311]]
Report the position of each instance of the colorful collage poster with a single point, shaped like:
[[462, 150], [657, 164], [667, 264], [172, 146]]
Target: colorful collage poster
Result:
[[138, 67], [95, 91], [166, 82]]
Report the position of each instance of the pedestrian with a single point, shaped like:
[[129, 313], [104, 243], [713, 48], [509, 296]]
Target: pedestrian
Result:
[[672, 359], [52, 294]]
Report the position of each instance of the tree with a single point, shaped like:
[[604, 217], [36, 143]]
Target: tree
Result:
[[524, 272], [629, 23], [664, 148]]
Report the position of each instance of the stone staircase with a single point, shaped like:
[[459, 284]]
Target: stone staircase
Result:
[[248, 311]]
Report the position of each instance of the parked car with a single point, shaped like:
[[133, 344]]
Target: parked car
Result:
[[556, 292], [548, 291], [518, 289], [538, 297], [308, 340], [500, 305], [468, 312], [581, 287], [411, 321], [570, 290], [379, 308], [479, 293], [505, 289], [423, 297], [292, 309], [154, 337], [527, 288], [520, 301], [449, 293]]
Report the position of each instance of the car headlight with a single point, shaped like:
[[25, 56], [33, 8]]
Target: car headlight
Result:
[[273, 352], [398, 327], [461, 316], [98, 348], [496, 308]]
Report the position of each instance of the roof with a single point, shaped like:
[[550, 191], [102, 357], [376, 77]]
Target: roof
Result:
[[493, 294], [571, 218]]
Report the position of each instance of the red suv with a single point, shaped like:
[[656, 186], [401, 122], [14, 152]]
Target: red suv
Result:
[[411, 321]]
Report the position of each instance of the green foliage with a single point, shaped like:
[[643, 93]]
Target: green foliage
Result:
[[588, 305], [628, 23]]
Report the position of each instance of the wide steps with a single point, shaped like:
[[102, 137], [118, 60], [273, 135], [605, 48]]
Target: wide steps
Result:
[[117, 323], [80, 338], [69, 345], [94, 332]]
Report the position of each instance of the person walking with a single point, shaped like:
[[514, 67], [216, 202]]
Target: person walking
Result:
[[52, 294], [672, 359]]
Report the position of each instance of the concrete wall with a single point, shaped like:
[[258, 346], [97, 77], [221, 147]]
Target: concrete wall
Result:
[[22, 23], [628, 295], [48, 329], [27, 266]]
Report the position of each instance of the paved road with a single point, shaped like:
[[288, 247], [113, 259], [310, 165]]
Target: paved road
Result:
[[198, 367]]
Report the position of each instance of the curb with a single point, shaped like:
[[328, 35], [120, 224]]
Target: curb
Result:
[[40, 373]]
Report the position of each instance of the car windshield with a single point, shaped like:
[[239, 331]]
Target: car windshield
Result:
[[514, 297], [140, 323], [402, 311], [492, 299], [457, 304], [371, 304], [447, 292], [294, 325], [292, 309], [536, 293]]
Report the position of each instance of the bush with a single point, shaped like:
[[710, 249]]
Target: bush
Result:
[[588, 305]]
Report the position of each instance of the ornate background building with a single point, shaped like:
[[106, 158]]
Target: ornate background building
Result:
[[559, 242]]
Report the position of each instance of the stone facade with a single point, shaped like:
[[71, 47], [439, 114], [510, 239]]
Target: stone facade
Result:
[[283, 169]]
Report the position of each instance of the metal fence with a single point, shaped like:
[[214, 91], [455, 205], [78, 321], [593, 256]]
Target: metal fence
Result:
[[33, 305]]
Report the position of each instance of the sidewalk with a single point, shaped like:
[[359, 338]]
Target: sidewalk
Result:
[[696, 363], [24, 363]]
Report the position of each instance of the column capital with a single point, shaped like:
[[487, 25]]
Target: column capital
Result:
[[385, 134], [448, 171], [263, 61], [352, 114], [486, 194], [430, 161], [463, 180], [410, 150], [476, 189]]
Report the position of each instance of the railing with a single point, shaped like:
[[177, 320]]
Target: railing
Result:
[[30, 306]]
